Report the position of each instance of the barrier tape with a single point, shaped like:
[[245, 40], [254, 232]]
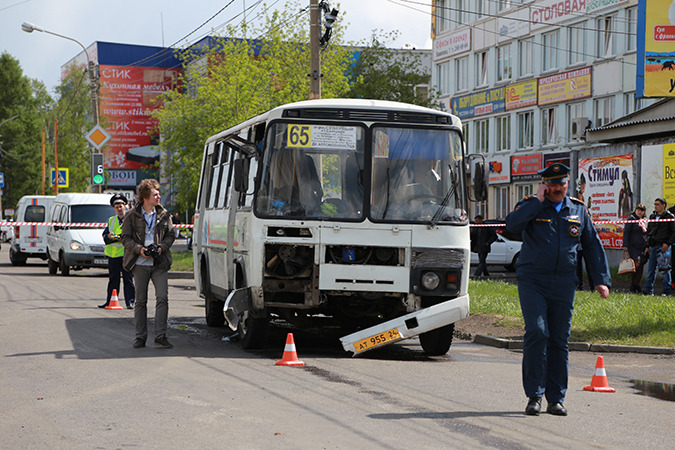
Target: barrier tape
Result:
[[73, 224]]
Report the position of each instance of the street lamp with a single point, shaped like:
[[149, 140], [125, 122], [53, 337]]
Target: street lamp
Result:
[[91, 65]]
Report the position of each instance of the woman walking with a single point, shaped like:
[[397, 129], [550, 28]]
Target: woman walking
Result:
[[635, 243]]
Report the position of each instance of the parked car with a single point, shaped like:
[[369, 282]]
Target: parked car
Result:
[[6, 231], [30, 241], [504, 252]]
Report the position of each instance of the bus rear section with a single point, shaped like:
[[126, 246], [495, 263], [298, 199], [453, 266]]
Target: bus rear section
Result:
[[347, 213]]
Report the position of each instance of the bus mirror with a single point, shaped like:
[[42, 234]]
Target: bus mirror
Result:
[[480, 178], [241, 174]]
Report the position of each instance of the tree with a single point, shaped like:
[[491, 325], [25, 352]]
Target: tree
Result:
[[23, 103], [235, 79], [383, 73]]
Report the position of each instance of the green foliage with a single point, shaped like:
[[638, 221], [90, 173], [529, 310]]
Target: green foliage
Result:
[[182, 261], [628, 319], [225, 84], [376, 76], [22, 102]]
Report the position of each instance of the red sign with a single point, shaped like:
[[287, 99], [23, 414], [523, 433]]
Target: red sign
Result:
[[525, 168]]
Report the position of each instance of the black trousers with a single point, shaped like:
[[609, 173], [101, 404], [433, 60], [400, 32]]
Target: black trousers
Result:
[[115, 273]]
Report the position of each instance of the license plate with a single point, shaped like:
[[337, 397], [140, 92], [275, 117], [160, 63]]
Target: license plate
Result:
[[101, 262], [377, 340]]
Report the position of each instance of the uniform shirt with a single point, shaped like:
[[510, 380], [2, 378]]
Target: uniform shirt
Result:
[[551, 239]]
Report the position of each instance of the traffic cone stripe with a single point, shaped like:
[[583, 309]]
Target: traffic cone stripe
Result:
[[114, 301], [600, 372], [599, 382]]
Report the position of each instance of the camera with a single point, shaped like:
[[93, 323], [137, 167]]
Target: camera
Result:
[[152, 251]]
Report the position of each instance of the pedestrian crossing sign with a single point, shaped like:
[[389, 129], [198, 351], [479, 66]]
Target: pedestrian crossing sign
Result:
[[63, 177]]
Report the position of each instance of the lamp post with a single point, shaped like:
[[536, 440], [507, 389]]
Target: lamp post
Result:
[[91, 65]]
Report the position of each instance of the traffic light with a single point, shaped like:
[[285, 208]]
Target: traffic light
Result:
[[97, 177]]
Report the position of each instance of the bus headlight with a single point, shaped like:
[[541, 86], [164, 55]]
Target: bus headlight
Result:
[[430, 281]]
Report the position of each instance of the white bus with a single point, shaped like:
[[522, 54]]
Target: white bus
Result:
[[347, 211]]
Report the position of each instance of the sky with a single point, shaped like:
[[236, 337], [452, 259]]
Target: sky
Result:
[[165, 22]]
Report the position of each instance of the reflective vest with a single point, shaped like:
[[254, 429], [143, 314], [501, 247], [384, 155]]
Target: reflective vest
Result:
[[115, 250]]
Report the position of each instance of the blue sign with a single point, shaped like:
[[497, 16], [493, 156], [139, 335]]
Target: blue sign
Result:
[[63, 177], [2, 180], [478, 103]]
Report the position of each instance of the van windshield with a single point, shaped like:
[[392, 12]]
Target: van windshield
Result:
[[91, 213]]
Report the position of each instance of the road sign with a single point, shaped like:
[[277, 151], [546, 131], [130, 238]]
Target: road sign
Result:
[[98, 137], [97, 168], [2, 180], [63, 177]]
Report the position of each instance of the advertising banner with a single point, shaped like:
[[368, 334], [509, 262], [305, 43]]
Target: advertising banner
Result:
[[483, 102], [525, 168], [549, 12], [500, 169], [445, 46], [521, 94], [605, 186], [669, 173], [565, 86], [656, 49], [128, 95]]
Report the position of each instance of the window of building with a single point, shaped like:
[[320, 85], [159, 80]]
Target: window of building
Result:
[[603, 111], [631, 29], [462, 73], [503, 132], [443, 78], [574, 111], [442, 15], [481, 134], [605, 33], [480, 208], [524, 190], [502, 208], [525, 130], [481, 68], [550, 50], [504, 4], [549, 129], [576, 44], [628, 103], [504, 67], [526, 66], [481, 8]]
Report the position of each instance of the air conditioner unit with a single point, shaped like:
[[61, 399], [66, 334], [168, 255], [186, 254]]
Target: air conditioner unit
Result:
[[578, 128]]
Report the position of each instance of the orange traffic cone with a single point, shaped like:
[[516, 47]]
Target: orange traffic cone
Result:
[[599, 381], [290, 357], [114, 301]]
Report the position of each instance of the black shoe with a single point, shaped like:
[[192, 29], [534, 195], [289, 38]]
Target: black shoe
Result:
[[139, 343], [557, 409], [130, 306], [533, 407], [103, 306], [162, 341]]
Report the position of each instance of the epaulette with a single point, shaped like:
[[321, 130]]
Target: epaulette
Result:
[[576, 200], [527, 197]]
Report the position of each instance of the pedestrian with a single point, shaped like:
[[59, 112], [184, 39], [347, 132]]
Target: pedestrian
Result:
[[660, 236], [482, 239], [114, 249], [176, 220], [147, 235], [553, 226], [635, 243]]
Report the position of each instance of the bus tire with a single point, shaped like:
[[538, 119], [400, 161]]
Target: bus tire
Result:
[[213, 307], [253, 331], [17, 258], [437, 342], [52, 265]]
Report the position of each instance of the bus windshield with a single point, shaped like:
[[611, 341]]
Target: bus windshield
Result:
[[417, 175], [317, 171]]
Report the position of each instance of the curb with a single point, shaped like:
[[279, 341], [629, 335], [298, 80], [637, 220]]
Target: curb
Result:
[[517, 344], [185, 275]]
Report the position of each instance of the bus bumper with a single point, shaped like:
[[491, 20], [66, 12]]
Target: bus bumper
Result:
[[407, 326]]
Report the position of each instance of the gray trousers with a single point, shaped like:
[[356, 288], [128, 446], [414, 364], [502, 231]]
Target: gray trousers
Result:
[[160, 279]]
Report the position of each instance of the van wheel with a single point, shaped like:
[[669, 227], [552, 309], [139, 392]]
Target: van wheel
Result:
[[52, 265], [437, 342], [214, 307], [17, 258], [65, 269], [253, 331]]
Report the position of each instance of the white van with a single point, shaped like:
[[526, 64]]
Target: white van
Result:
[[30, 241], [73, 246]]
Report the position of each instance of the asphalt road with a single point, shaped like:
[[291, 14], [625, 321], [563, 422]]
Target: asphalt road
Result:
[[69, 378]]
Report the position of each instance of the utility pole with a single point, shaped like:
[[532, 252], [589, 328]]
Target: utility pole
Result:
[[315, 50]]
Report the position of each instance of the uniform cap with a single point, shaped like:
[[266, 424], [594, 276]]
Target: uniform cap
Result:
[[117, 198], [555, 173]]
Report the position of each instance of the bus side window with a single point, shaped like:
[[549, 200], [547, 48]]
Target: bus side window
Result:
[[224, 177], [215, 178]]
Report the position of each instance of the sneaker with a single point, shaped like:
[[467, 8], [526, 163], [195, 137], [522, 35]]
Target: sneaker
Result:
[[162, 341], [139, 343]]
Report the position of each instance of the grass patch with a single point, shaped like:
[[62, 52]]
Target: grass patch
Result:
[[624, 319], [182, 261]]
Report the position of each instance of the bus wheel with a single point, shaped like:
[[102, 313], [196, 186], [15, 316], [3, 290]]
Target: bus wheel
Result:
[[213, 306], [253, 331], [437, 342], [52, 265]]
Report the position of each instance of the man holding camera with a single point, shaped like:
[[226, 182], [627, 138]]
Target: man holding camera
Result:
[[147, 235]]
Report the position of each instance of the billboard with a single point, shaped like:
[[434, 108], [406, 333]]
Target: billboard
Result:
[[656, 49], [128, 96], [565, 86]]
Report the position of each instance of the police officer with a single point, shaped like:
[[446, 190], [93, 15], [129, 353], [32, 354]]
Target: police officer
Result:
[[553, 227], [115, 252]]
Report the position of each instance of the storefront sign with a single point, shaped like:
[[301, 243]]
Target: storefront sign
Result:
[[521, 94], [478, 103], [500, 169], [550, 12], [565, 86], [525, 168], [121, 177], [452, 44]]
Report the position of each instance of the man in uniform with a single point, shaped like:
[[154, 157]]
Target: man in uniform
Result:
[[115, 252], [553, 227]]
